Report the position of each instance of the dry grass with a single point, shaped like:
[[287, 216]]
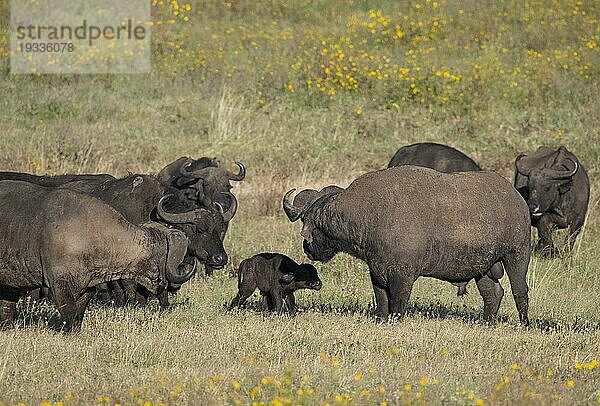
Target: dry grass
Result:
[[333, 352]]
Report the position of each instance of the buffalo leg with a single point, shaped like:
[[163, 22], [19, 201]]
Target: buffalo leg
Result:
[[516, 266], [491, 291], [545, 246], [382, 310], [67, 307], [81, 305], [8, 308], [399, 289], [278, 300], [163, 299], [241, 297], [269, 302], [574, 230], [290, 303], [103, 293]]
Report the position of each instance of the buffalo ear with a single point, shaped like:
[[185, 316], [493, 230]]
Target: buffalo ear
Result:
[[287, 278], [138, 180]]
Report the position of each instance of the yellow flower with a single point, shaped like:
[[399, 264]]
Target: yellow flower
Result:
[[235, 384], [570, 384], [358, 376]]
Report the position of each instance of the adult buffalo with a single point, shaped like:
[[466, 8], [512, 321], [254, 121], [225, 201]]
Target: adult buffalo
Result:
[[204, 181], [137, 198], [445, 159], [435, 156], [69, 242], [557, 190], [409, 221]]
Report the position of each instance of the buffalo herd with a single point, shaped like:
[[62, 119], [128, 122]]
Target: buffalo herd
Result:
[[432, 212]]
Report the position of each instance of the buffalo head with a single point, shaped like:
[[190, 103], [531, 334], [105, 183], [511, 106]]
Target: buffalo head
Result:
[[170, 255], [203, 229], [170, 175], [546, 181], [212, 184], [310, 206]]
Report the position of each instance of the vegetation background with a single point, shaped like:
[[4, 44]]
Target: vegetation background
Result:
[[309, 93]]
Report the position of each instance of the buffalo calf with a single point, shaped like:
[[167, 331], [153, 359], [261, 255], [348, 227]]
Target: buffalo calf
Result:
[[277, 277]]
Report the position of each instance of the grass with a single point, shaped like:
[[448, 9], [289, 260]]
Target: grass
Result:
[[233, 82]]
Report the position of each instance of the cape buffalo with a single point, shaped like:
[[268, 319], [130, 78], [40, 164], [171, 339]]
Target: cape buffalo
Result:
[[137, 198], [410, 221], [204, 181], [70, 242], [444, 159], [435, 156], [557, 190], [277, 277]]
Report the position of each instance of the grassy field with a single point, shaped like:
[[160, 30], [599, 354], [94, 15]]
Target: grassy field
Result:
[[306, 94]]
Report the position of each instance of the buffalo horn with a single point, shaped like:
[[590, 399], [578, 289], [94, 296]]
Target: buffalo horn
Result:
[[561, 175], [292, 212], [175, 218], [227, 215], [181, 279], [197, 174], [241, 173]]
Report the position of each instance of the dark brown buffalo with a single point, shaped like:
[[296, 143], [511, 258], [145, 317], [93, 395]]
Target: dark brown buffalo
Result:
[[205, 182], [202, 179], [409, 221], [435, 156], [69, 242], [557, 190], [137, 198], [445, 159], [277, 277]]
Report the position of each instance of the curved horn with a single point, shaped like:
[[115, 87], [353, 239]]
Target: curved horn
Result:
[[241, 173], [227, 215], [292, 212], [519, 166], [198, 174], [175, 218], [561, 175], [181, 279]]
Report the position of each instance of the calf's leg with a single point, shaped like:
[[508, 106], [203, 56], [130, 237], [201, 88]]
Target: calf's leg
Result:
[[290, 303]]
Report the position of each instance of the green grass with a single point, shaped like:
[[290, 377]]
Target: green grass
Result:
[[227, 94]]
